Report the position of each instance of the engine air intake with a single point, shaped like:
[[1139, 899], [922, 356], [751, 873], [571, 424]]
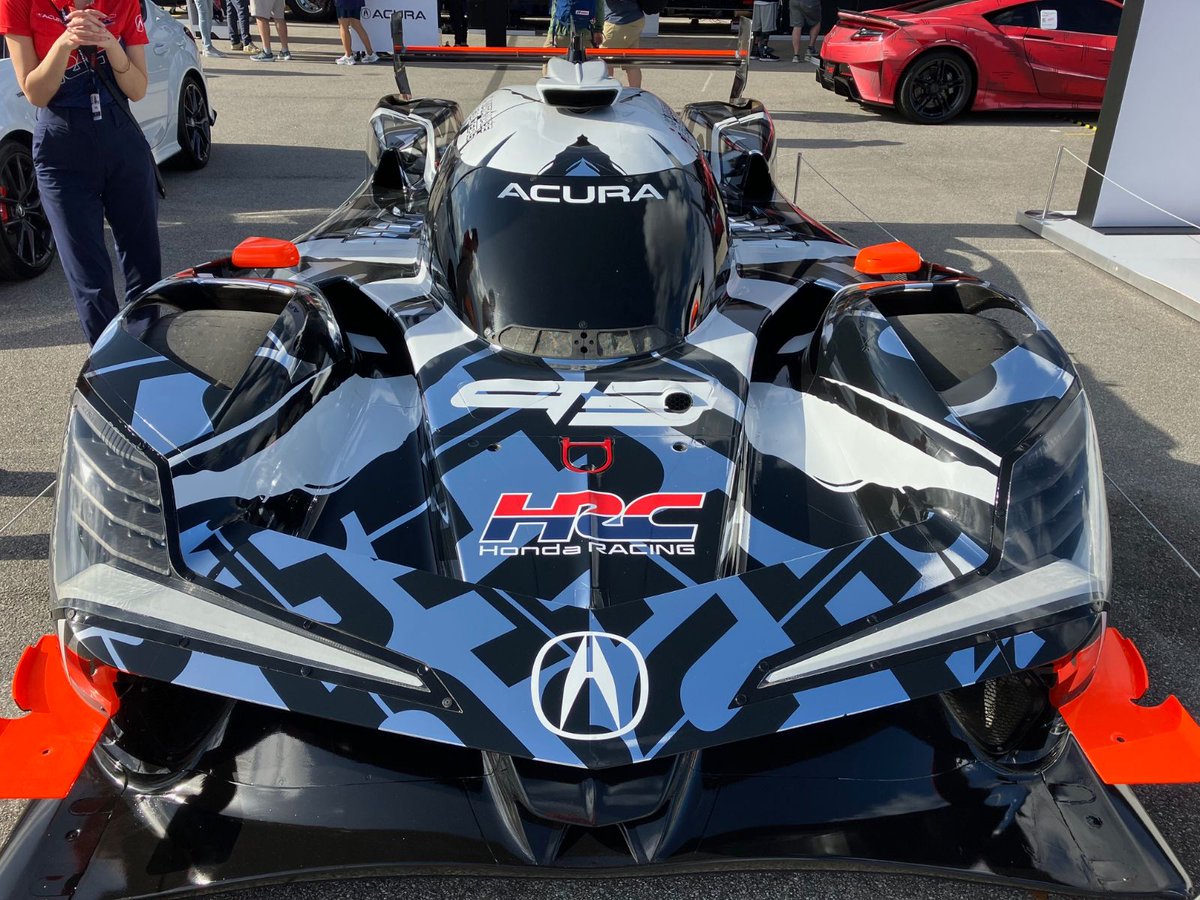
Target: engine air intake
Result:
[[583, 85]]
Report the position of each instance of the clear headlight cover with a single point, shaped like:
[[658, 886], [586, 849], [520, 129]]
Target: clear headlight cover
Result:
[[109, 507], [110, 534], [1057, 508], [1055, 555]]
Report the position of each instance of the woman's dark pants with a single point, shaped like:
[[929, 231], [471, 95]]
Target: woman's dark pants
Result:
[[87, 172]]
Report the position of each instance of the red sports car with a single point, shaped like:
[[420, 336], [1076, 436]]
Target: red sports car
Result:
[[934, 59]]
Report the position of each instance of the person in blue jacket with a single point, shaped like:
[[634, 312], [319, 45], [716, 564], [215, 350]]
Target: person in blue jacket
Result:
[[570, 16]]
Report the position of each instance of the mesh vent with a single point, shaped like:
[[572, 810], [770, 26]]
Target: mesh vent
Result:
[[582, 344], [999, 712]]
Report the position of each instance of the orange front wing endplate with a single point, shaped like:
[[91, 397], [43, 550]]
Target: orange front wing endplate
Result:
[[42, 753], [1124, 742]]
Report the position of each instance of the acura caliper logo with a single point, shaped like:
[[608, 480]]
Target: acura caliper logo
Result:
[[589, 685]]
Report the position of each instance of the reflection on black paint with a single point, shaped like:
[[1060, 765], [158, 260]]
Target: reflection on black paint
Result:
[[626, 263]]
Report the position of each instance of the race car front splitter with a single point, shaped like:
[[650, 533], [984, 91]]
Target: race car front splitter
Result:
[[273, 796]]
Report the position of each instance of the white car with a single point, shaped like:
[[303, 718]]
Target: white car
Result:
[[174, 115]]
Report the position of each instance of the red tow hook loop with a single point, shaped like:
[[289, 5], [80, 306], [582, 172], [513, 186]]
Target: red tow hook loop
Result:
[[1124, 742], [42, 753]]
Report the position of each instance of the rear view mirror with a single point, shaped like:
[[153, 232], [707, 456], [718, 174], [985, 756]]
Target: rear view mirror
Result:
[[397, 25], [893, 258]]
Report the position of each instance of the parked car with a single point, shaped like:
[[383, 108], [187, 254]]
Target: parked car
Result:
[[935, 59], [175, 116], [312, 10]]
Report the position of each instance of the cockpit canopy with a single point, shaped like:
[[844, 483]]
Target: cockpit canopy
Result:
[[579, 260]]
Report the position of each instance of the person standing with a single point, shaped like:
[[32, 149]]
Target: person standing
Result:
[[264, 12], [458, 21], [80, 63], [349, 15], [237, 15], [805, 13], [764, 19], [623, 24], [570, 16], [200, 18]]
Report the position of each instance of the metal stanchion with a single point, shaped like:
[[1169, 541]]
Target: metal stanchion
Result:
[[1053, 180]]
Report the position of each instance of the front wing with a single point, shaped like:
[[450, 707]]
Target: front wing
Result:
[[279, 797]]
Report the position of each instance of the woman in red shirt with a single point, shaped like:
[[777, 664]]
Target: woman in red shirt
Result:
[[92, 160]]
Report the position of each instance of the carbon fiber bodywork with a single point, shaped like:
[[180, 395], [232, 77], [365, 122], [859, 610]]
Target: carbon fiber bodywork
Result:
[[676, 594]]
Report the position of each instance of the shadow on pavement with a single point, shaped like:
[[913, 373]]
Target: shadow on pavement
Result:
[[830, 144], [1004, 119], [999, 119], [295, 166], [64, 330], [23, 484], [822, 118], [279, 69], [24, 546]]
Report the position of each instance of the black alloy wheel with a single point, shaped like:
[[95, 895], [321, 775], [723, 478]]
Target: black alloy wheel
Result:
[[195, 125], [26, 242], [936, 88], [312, 10]]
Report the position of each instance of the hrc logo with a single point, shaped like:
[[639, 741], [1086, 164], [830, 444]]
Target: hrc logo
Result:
[[593, 516]]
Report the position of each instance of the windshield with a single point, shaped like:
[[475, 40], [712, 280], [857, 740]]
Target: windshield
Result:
[[579, 264]]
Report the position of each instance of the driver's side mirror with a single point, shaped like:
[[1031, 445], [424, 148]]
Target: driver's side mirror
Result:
[[397, 25]]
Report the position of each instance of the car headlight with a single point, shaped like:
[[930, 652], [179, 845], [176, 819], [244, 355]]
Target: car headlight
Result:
[[109, 507], [1057, 521], [109, 556], [1056, 507], [1055, 556]]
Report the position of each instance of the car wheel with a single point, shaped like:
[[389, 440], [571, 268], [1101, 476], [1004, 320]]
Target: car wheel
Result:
[[195, 125], [936, 88], [312, 10], [26, 243]]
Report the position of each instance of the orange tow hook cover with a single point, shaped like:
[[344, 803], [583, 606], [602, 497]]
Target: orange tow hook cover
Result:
[[265, 253], [42, 753], [893, 258], [1127, 743]]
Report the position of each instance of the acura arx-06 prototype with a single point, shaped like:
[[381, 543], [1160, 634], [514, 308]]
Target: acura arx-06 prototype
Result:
[[568, 501]]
